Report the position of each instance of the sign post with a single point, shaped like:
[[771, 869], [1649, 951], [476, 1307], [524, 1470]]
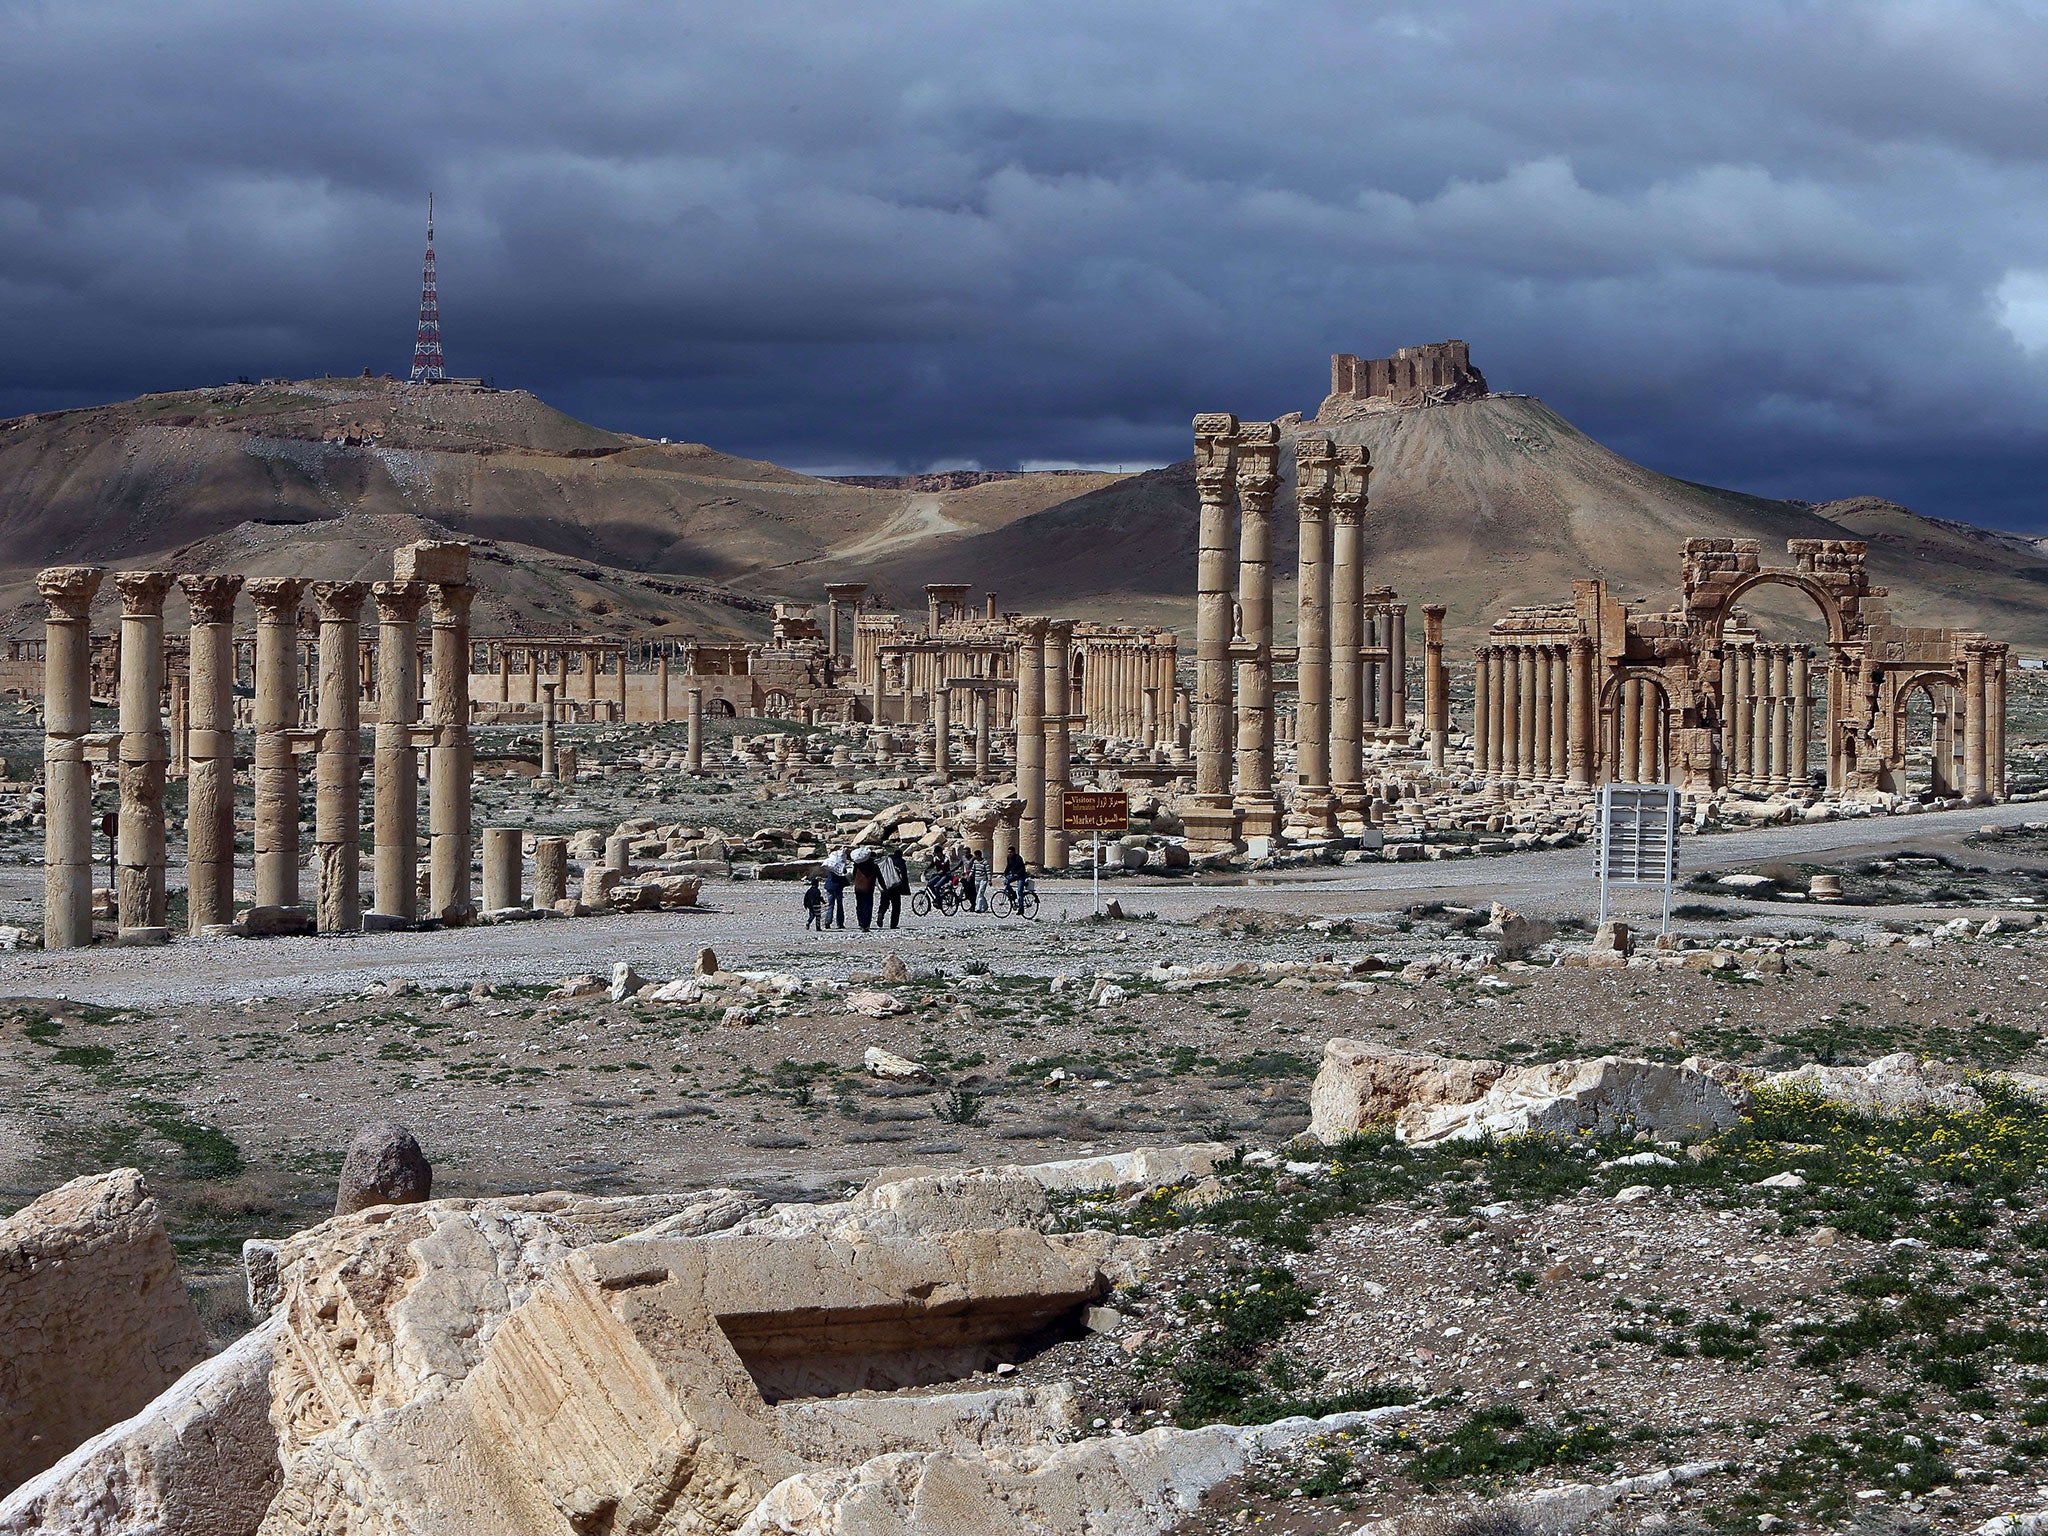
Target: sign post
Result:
[[1638, 840], [1098, 811]]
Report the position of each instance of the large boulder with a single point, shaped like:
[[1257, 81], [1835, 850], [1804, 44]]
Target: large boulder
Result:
[[384, 1166], [1426, 1098], [94, 1316]]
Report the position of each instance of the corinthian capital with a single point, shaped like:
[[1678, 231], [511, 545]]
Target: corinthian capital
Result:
[[211, 598], [142, 593], [399, 602], [1315, 475], [451, 603], [1258, 464], [277, 599], [69, 589], [1215, 454], [1354, 474], [340, 602]]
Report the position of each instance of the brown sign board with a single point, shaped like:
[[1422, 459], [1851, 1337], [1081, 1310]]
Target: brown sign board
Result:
[[1090, 810]]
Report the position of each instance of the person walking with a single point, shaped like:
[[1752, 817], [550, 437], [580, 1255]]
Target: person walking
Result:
[[814, 905], [864, 883], [837, 873], [895, 881]]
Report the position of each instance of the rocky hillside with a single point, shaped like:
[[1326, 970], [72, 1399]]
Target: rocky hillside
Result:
[[579, 525], [1487, 503]]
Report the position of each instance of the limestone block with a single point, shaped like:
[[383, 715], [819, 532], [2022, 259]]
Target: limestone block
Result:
[[887, 1064], [1891, 1087], [431, 560], [876, 1005], [1361, 1085], [95, 1317], [1605, 1097], [200, 1460]]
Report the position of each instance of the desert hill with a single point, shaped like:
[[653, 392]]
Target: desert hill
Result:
[[581, 527], [1486, 503]]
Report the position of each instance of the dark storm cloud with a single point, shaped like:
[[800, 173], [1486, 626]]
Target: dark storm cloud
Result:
[[1796, 247]]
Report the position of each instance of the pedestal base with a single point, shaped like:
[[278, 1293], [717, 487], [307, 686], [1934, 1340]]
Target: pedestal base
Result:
[[1259, 818], [1211, 828]]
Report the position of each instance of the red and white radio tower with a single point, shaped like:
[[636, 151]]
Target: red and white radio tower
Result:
[[426, 351]]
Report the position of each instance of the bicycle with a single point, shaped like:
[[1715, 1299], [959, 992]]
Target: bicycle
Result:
[[1023, 902], [924, 898]]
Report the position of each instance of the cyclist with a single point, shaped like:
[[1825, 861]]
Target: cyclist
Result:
[[1015, 877]]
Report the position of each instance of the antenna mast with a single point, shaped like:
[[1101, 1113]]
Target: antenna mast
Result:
[[426, 350]]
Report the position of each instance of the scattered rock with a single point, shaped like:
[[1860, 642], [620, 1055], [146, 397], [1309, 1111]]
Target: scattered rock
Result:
[[897, 1069], [876, 1005], [625, 981], [894, 971], [384, 1166]]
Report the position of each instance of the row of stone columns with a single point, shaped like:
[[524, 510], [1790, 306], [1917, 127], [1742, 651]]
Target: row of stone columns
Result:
[[1044, 738], [1766, 716], [141, 748], [1534, 711], [1642, 737], [1983, 705], [550, 663], [1127, 684]]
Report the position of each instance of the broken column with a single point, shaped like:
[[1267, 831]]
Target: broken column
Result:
[[1212, 818], [693, 750], [550, 764], [550, 871], [277, 601], [1315, 483], [67, 777], [396, 791], [144, 754], [502, 868], [1258, 451], [1031, 738], [210, 772], [981, 734], [941, 711], [338, 768]]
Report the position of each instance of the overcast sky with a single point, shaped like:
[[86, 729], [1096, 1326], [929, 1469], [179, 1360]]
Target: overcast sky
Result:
[[1796, 248]]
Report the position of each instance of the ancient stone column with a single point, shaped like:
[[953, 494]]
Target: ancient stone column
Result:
[[1482, 713], [1779, 751], [181, 717], [1802, 718], [1743, 658], [1059, 701], [1629, 724], [210, 775], [503, 866], [1436, 692], [941, 710], [1582, 747], [450, 763], [1397, 666], [1976, 705], [1031, 738], [693, 749], [1258, 451], [550, 761], [277, 601], [1560, 713], [1349, 498], [619, 692], [981, 735], [1148, 714], [1212, 818], [396, 793], [590, 655], [1996, 662], [1527, 658], [661, 686], [145, 752], [504, 674], [1543, 712], [1004, 839], [550, 871], [67, 590], [1498, 746], [338, 766], [1315, 473]]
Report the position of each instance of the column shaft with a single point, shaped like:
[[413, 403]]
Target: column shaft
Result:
[[67, 776], [338, 768], [1031, 739], [450, 763], [145, 752], [1347, 636], [210, 776], [1059, 646], [395, 796], [277, 715], [1257, 481]]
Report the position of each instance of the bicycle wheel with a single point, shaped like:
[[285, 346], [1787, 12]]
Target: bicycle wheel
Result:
[[920, 903], [947, 903], [1027, 904]]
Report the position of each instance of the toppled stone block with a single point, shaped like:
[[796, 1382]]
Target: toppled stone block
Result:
[[1427, 1098], [1891, 1087], [95, 1316]]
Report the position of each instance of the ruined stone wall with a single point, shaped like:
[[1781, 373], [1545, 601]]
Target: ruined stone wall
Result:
[[1439, 370]]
